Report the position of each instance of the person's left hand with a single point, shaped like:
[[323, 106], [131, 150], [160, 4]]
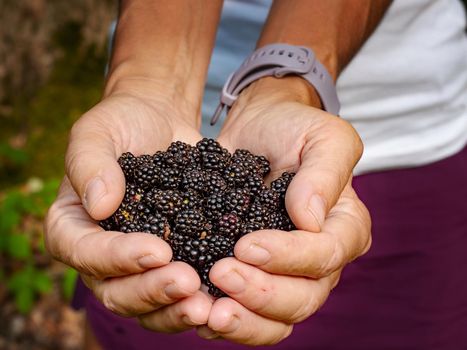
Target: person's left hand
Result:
[[277, 279]]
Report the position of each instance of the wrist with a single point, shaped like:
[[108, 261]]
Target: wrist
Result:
[[165, 94], [270, 90]]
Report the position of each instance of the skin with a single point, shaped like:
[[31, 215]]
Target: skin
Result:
[[146, 106]]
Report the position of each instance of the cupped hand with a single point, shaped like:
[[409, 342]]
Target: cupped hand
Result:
[[277, 279], [131, 274]]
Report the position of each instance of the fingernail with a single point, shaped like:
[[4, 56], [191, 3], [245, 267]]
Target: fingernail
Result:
[[207, 333], [148, 261], [255, 255], [188, 321], [232, 282], [95, 190], [232, 326], [317, 208], [173, 291]]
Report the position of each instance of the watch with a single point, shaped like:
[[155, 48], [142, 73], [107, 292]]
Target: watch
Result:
[[279, 60]]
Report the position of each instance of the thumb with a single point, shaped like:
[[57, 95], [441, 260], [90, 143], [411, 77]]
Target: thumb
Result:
[[92, 168], [328, 157]]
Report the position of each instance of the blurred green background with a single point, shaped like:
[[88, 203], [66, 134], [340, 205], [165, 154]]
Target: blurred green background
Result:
[[52, 61]]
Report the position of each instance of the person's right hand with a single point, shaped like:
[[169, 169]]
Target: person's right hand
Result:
[[131, 274]]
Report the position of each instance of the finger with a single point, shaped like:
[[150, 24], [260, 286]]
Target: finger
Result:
[[230, 320], [284, 298], [185, 314], [92, 167], [145, 292], [345, 236], [72, 237], [331, 150]]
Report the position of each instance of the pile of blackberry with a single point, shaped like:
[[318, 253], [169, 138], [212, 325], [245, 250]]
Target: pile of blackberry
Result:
[[200, 200]]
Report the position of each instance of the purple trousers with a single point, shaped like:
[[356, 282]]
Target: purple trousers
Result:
[[408, 292]]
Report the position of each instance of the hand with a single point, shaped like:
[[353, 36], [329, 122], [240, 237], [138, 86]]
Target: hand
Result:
[[277, 278], [131, 274]]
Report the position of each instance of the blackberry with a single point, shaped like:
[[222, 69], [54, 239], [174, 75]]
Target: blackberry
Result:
[[281, 183], [213, 155], [263, 165], [191, 200], [192, 223], [238, 201], [250, 226], [168, 202], [258, 214], [247, 160], [269, 199], [182, 155], [215, 182], [235, 174], [201, 200], [147, 174], [169, 178], [158, 225], [127, 162], [214, 206], [229, 225], [194, 179], [281, 221], [255, 184]]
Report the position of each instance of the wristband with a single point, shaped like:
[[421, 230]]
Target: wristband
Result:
[[279, 60]]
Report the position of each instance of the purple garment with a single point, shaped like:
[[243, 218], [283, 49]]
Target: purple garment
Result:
[[408, 292]]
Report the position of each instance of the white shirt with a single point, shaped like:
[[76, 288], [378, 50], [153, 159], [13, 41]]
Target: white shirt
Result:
[[405, 91]]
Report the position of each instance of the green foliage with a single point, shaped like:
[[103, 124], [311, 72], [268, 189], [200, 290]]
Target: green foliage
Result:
[[69, 282], [21, 244]]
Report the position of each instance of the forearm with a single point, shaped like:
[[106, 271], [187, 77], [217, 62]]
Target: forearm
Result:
[[166, 43], [334, 29]]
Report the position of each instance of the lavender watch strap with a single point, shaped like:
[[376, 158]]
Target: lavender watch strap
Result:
[[279, 60]]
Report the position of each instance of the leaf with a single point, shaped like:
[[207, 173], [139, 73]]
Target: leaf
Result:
[[24, 299], [41, 282], [19, 246], [69, 282], [20, 279]]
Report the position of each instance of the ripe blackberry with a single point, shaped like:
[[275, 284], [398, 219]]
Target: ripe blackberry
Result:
[[214, 206], [133, 194], [158, 225], [269, 199], [247, 160], [281, 184], [191, 200], [263, 165], [214, 161], [213, 155], [238, 201], [169, 178], [229, 225], [210, 146], [127, 162], [258, 214], [235, 174], [168, 202], [194, 179], [201, 200], [250, 226], [147, 174], [215, 182], [255, 184], [281, 221], [182, 155], [192, 223]]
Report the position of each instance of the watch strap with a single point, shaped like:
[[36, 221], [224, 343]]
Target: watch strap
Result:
[[279, 60]]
